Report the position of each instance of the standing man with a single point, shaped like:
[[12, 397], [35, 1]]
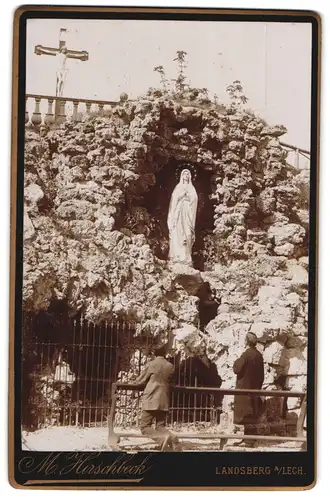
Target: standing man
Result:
[[155, 400], [249, 369]]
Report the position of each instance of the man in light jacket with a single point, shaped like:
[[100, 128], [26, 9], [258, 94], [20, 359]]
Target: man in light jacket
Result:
[[155, 400]]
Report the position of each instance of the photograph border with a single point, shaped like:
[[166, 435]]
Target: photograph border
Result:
[[16, 248]]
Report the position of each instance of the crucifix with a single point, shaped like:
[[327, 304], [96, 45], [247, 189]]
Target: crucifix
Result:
[[62, 53]]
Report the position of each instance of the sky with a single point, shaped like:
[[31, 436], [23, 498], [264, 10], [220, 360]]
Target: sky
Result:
[[272, 61]]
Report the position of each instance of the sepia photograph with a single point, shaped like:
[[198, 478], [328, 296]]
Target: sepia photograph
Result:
[[166, 291]]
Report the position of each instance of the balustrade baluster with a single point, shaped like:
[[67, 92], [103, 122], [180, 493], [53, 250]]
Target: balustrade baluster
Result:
[[50, 118], [101, 109], [36, 116], [88, 107], [61, 116], [75, 111]]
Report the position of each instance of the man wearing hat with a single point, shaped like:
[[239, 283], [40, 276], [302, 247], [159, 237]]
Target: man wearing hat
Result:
[[155, 400], [249, 369]]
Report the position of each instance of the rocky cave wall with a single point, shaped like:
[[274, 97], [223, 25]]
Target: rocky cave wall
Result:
[[95, 232]]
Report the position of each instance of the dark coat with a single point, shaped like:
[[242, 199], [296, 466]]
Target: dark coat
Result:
[[249, 369], [156, 379]]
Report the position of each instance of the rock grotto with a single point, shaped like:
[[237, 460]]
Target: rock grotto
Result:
[[96, 196]]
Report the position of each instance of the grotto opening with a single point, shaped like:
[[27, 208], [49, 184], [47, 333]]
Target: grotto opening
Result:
[[147, 212]]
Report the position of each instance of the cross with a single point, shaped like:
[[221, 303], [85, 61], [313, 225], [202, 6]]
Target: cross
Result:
[[63, 53]]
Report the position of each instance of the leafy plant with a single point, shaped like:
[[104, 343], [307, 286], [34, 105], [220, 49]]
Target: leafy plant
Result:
[[180, 81], [163, 79], [236, 93]]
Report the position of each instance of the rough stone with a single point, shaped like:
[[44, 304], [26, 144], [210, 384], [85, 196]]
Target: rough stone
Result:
[[190, 279], [273, 353], [287, 249], [274, 130], [286, 233], [101, 245], [33, 193], [298, 274], [29, 230]]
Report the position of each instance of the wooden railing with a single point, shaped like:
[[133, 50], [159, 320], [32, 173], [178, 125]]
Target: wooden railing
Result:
[[114, 437], [47, 109]]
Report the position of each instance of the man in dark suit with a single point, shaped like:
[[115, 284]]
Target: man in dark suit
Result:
[[155, 400], [249, 369]]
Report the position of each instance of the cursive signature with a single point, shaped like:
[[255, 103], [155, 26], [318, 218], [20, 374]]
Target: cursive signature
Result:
[[90, 464]]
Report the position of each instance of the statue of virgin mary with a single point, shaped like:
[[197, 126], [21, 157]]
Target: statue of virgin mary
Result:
[[181, 220]]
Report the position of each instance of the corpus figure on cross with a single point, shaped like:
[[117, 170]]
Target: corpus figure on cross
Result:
[[63, 53], [61, 71]]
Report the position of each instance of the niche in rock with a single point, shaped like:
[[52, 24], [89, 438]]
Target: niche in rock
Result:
[[148, 213]]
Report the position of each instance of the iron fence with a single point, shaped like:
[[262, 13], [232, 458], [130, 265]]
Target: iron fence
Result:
[[69, 365]]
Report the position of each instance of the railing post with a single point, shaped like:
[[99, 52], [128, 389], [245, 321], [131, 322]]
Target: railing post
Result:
[[75, 111], [36, 116], [88, 108], [113, 440], [301, 418], [50, 118], [223, 442]]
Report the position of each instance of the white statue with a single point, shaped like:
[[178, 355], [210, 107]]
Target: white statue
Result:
[[61, 72], [181, 220]]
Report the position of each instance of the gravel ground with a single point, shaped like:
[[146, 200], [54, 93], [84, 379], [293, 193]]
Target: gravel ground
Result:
[[91, 439]]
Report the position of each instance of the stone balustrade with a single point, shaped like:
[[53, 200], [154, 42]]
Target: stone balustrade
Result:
[[50, 110]]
